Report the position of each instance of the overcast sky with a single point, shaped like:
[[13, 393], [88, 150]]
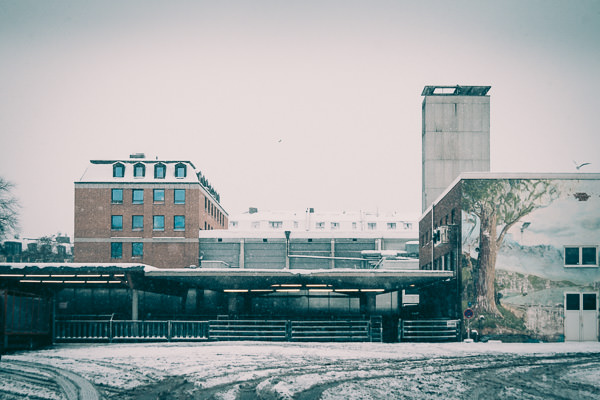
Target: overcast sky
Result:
[[285, 105]]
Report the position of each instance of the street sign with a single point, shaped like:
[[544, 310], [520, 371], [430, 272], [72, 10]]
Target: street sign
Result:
[[468, 313]]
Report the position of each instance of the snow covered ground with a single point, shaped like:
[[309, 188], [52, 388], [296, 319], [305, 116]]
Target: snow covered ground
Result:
[[246, 370]]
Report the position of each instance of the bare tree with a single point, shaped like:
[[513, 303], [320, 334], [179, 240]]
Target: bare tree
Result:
[[8, 209], [499, 204]]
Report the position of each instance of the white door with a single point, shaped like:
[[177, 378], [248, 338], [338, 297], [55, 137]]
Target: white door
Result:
[[581, 317]]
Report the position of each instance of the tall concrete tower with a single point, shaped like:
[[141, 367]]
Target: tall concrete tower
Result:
[[456, 135]]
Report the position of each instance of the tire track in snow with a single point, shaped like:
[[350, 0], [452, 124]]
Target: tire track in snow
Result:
[[73, 386], [426, 373], [482, 376]]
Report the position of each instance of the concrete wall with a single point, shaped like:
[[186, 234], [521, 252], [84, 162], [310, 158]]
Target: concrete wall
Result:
[[456, 138], [271, 252]]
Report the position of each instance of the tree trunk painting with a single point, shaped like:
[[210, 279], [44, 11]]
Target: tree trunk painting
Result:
[[486, 271], [499, 204]]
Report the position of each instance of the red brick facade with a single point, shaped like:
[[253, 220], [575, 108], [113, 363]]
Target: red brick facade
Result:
[[446, 213], [160, 230]]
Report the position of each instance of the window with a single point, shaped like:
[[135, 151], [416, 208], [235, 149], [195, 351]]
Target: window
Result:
[[116, 196], [116, 222], [137, 222], [320, 225], [159, 195], [137, 249], [372, 225], [391, 225], [233, 224], [139, 170], [137, 196], [179, 195], [116, 250], [275, 224], [180, 171], [255, 224], [179, 222], [158, 222], [588, 256], [335, 225], [581, 255], [160, 171], [572, 302], [589, 301], [354, 226], [295, 224], [118, 170]]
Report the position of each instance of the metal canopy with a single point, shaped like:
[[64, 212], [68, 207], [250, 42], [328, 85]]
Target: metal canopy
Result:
[[137, 276], [342, 280]]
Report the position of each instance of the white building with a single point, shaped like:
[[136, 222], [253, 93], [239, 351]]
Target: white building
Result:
[[314, 222]]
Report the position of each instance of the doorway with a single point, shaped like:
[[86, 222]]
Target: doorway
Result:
[[581, 317]]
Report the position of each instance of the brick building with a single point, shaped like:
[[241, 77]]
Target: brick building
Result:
[[146, 211]]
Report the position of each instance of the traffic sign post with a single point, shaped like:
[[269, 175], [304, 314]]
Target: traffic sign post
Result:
[[468, 314]]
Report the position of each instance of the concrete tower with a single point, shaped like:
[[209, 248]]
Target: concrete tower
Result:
[[456, 135]]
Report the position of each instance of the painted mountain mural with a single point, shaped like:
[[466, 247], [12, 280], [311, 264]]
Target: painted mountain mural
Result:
[[525, 244]]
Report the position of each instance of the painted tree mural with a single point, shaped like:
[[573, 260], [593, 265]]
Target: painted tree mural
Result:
[[499, 204]]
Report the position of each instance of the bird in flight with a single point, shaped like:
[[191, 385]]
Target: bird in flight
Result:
[[578, 166]]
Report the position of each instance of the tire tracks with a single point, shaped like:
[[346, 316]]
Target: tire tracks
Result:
[[73, 386]]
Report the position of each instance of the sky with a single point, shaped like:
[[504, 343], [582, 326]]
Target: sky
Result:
[[285, 105]]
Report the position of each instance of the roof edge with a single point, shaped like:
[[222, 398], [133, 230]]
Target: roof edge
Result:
[[510, 175]]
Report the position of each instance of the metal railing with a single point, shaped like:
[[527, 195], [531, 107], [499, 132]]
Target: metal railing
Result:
[[329, 331], [248, 329], [93, 330], [429, 330], [220, 329]]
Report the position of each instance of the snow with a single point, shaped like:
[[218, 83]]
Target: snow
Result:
[[355, 370], [102, 172]]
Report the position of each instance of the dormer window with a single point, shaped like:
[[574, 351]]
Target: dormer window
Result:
[[139, 170], [160, 171], [118, 170], [180, 170]]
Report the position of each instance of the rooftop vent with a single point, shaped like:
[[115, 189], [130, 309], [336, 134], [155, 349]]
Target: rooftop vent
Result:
[[137, 155]]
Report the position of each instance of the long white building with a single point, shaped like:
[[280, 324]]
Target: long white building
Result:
[[315, 222]]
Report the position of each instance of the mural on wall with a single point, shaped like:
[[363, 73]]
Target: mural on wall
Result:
[[514, 237]]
